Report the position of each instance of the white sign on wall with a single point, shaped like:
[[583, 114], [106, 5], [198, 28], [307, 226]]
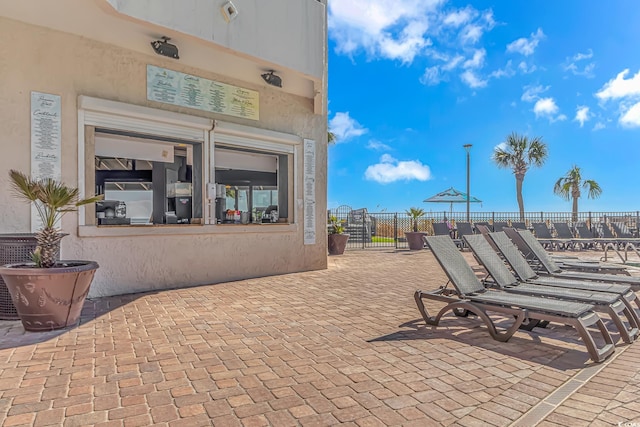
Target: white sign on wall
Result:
[[46, 137], [309, 192], [185, 90]]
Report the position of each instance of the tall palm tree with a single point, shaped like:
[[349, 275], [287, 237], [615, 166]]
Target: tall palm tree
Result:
[[520, 153], [569, 185]]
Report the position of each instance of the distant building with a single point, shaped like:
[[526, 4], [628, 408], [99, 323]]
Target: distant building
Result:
[[210, 147]]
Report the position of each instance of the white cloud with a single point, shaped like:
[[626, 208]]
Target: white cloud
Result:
[[631, 118], [620, 87], [344, 127], [532, 93], [582, 114], [598, 126], [453, 63], [526, 69], [471, 34], [393, 29], [391, 170], [526, 46], [378, 146], [408, 45], [472, 80], [587, 71], [507, 71], [431, 76], [571, 64], [459, 17], [403, 30], [476, 61], [546, 107]]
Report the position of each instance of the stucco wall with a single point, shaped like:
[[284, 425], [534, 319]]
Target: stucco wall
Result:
[[286, 32], [39, 59]]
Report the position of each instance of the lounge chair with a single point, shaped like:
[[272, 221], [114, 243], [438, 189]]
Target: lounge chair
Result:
[[563, 231], [469, 295], [518, 225], [442, 229], [523, 270], [525, 273], [546, 239], [622, 231], [548, 266], [614, 304], [463, 229], [482, 223], [586, 238], [499, 225], [606, 237], [534, 252], [623, 234]]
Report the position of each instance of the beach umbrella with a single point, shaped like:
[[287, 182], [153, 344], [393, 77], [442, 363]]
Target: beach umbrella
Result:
[[451, 196]]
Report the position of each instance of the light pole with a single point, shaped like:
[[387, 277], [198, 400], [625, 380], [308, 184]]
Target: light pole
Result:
[[467, 147]]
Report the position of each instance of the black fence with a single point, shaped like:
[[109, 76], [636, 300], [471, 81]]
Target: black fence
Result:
[[386, 229]]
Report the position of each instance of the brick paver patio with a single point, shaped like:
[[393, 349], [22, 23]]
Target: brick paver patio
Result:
[[340, 346]]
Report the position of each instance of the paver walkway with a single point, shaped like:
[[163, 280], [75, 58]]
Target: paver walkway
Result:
[[340, 346]]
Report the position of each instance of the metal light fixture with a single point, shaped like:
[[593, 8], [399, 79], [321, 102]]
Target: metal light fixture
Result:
[[272, 79], [162, 47], [467, 147]]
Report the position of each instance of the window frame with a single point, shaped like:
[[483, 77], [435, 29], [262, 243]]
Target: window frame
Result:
[[118, 116], [101, 113], [270, 142]]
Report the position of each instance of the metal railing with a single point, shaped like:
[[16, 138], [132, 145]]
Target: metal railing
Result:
[[386, 229]]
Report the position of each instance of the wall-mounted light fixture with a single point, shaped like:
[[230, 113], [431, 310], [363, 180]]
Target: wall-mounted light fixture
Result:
[[162, 47], [272, 79]]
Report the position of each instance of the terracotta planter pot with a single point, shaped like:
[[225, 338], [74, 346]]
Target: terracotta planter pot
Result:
[[337, 243], [49, 298], [415, 240]]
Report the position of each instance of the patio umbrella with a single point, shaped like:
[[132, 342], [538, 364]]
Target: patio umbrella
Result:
[[451, 196]]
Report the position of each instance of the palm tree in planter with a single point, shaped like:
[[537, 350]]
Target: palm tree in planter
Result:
[[415, 238], [568, 187], [48, 294], [337, 237]]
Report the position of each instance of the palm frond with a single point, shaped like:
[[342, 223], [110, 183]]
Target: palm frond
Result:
[[593, 187]]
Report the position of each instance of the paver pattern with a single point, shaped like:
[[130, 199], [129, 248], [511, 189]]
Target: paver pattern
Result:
[[339, 346]]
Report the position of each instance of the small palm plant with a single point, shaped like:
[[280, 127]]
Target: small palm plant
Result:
[[52, 200], [414, 214], [337, 226]]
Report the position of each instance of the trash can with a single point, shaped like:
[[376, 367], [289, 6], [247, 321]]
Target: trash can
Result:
[[16, 247]]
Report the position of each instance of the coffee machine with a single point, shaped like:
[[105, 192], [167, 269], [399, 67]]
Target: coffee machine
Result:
[[221, 202], [112, 212]]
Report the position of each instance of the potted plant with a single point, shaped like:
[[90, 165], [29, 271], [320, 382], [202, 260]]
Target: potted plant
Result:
[[337, 237], [415, 238], [48, 294]]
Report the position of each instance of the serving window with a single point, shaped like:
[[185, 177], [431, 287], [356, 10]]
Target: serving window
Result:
[[252, 186], [153, 167], [147, 180]]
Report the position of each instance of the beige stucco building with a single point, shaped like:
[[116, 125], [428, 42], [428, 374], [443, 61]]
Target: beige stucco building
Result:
[[209, 172]]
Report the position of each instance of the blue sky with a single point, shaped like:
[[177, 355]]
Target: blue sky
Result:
[[412, 81]]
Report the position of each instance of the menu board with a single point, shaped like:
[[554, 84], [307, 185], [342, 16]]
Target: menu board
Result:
[[309, 192], [185, 90], [45, 143]]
